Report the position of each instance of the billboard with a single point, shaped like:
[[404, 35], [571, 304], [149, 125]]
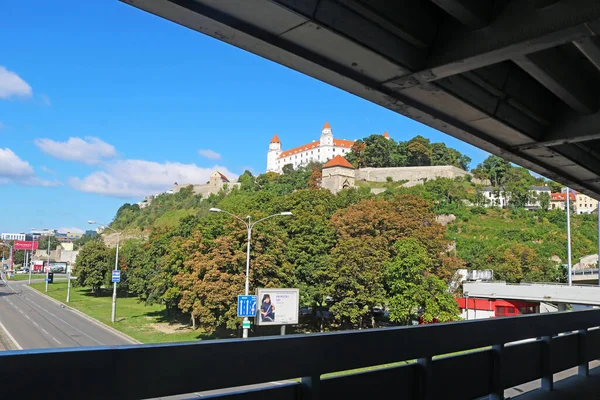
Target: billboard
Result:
[[25, 245], [277, 306]]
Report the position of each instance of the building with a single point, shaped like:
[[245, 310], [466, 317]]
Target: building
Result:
[[338, 174], [91, 233], [12, 236], [585, 204], [558, 201], [216, 183], [497, 197], [317, 151], [472, 308]]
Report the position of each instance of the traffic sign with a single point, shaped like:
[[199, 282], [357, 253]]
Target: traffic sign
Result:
[[116, 276], [246, 306]]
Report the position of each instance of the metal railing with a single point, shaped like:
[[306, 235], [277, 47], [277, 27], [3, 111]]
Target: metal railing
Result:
[[149, 371]]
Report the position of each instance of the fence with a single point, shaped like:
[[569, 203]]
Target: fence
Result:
[[147, 371]]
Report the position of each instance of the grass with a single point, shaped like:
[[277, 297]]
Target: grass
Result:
[[24, 277], [133, 318]]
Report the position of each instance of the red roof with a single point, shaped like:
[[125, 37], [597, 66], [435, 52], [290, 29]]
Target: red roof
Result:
[[326, 126], [275, 139], [315, 145], [223, 177], [338, 161], [562, 197], [386, 135]]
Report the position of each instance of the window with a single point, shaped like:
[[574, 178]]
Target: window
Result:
[[510, 310], [500, 311]]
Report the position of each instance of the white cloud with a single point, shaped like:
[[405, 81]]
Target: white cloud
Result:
[[48, 170], [11, 85], [15, 170], [71, 229], [210, 154], [130, 178], [90, 150]]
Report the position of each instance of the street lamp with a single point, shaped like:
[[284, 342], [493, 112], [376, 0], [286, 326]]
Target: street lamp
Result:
[[249, 225], [114, 296]]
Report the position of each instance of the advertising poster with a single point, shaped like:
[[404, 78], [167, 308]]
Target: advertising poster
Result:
[[277, 306]]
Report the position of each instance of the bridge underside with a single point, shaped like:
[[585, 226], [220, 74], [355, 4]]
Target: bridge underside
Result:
[[517, 78]]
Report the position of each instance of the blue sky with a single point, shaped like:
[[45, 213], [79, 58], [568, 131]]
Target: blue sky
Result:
[[101, 104]]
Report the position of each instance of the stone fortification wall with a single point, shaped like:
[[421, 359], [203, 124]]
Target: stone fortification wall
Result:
[[414, 175]]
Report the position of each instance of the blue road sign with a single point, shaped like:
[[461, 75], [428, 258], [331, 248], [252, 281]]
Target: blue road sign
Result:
[[116, 276], [246, 306]]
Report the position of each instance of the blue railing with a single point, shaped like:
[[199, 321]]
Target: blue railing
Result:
[[149, 371]]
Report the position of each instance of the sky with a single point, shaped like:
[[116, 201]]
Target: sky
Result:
[[103, 104]]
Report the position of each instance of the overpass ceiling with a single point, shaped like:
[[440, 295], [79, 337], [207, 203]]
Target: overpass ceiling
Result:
[[517, 78]]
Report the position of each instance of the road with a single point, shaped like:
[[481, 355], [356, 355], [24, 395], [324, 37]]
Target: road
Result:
[[33, 321]]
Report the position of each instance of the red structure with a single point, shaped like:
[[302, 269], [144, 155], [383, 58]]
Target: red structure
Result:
[[492, 308]]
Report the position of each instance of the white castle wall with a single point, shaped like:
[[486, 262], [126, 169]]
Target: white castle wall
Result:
[[414, 175]]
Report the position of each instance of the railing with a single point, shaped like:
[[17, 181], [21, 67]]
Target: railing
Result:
[[135, 372], [590, 271]]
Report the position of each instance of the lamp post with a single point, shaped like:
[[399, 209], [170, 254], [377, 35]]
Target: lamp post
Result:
[[114, 296], [249, 225], [569, 236]]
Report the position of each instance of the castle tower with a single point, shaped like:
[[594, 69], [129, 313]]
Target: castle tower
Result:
[[273, 155], [326, 142], [386, 135]]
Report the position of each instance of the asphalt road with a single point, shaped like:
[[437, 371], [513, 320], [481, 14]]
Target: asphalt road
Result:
[[36, 322]]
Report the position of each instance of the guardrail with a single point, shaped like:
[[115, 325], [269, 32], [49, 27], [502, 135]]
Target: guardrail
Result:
[[147, 371]]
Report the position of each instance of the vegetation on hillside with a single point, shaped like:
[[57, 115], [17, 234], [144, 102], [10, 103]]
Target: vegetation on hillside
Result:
[[352, 252]]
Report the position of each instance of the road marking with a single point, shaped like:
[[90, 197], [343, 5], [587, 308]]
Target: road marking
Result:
[[62, 320], [27, 316], [17, 345], [35, 323], [53, 338], [45, 331]]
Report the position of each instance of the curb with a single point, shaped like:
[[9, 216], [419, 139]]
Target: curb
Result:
[[91, 319]]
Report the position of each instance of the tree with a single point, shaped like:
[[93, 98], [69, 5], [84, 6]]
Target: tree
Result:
[[356, 156], [413, 290], [544, 201], [442, 155], [93, 265], [495, 169], [419, 152], [356, 278], [43, 243]]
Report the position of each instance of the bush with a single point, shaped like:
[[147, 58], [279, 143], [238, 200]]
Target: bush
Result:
[[389, 179]]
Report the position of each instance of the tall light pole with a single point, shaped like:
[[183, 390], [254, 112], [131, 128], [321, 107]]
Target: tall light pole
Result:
[[114, 296], [32, 252], [569, 235], [249, 225]]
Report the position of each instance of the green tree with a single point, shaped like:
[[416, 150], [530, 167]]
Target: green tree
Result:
[[43, 243], [495, 169], [442, 155], [544, 201], [412, 289], [419, 152], [93, 265]]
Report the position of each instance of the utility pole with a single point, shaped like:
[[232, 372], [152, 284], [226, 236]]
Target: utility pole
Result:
[[569, 235], [48, 266]]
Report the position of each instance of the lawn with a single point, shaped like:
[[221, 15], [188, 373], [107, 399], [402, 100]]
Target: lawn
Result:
[[24, 277], [144, 323]]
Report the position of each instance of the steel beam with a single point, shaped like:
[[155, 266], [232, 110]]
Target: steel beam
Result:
[[459, 51], [562, 78], [590, 48], [473, 13], [571, 128]]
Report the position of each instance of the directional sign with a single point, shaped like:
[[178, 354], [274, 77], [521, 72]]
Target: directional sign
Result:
[[116, 276], [246, 306]]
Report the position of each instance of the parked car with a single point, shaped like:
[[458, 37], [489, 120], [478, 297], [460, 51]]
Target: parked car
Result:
[[58, 269]]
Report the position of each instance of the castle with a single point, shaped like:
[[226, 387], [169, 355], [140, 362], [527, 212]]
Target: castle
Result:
[[217, 182], [322, 151]]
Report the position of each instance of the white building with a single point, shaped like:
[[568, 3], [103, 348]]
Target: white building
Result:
[[319, 151], [497, 197], [12, 236], [585, 204]]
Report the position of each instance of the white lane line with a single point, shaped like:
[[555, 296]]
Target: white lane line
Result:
[[27, 316], [62, 320], [53, 338], [17, 345], [21, 311], [45, 331], [35, 323]]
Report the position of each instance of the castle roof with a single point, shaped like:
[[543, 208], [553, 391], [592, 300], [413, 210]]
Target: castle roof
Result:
[[386, 135], [338, 161], [326, 126], [275, 139], [315, 145], [223, 177]]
